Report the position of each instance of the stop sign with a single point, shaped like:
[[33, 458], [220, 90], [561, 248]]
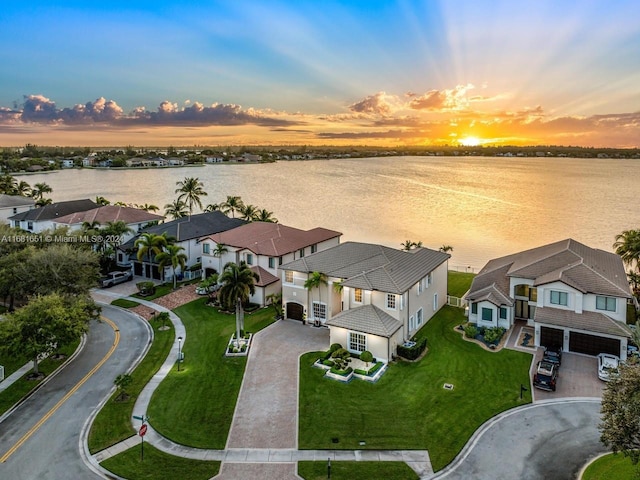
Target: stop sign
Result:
[[143, 430]]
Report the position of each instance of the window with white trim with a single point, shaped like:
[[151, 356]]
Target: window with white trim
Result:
[[357, 342], [391, 301], [419, 318], [314, 248], [288, 276], [249, 259], [205, 248], [272, 262], [357, 295], [319, 311], [412, 324], [487, 314], [559, 298], [606, 303], [503, 313], [435, 302], [419, 287]]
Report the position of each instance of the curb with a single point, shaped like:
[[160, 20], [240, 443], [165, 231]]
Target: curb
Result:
[[589, 462]]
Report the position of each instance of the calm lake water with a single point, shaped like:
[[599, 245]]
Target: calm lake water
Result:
[[484, 207]]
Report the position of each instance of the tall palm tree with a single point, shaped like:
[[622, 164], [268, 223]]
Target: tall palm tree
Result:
[[190, 190], [38, 191], [213, 207], [23, 189], [149, 244], [232, 205], [100, 200], [265, 215], [148, 207], [8, 184], [315, 280], [238, 284], [115, 230], [220, 250], [446, 248], [173, 256], [249, 212], [177, 209], [627, 245], [43, 201]]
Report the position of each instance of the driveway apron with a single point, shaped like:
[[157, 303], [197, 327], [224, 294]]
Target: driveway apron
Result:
[[266, 414]]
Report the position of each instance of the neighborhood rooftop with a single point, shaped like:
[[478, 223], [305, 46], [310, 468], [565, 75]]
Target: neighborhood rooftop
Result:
[[586, 269], [15, 201], [372, 267], [55, 210], [366, 319], [110, 213], [272, 239]]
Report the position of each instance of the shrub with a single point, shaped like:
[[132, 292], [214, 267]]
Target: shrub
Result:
[[328, 363], [411, 353], [334, 347], [375, 368], [470, 330], [493, 335], [360, 372], [366, 357], [251, 307], [340, 353], [341, 371], [146, 288]]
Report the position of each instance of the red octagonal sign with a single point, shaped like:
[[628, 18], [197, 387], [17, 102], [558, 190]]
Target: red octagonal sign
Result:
[[143, 430]]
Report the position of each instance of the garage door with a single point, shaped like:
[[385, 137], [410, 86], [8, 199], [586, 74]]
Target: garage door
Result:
[[593, 345], [295, 311], [551, 337]]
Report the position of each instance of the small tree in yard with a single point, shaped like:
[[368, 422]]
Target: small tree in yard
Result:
[[620, 427], [366, 357], [122, 382]]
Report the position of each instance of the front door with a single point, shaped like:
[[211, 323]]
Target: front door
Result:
[[522, 309], [295, 311]]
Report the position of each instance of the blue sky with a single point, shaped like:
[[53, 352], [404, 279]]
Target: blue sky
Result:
[[314, 72]]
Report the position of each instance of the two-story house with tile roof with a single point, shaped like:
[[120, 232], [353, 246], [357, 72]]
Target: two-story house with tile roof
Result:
[[575, 297], [264, 246], [43, 218], [375, 297]]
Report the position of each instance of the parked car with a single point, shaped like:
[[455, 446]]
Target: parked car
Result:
[[114, 278], [607, 366], [207, 289], [553, 355], [546, 376]]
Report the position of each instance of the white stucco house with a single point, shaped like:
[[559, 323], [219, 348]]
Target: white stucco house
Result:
[[375, 297], [43, 218], [11, 205], [264, 246], [573, 295]]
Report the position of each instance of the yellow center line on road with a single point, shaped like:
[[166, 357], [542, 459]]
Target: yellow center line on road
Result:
[[53, 410]]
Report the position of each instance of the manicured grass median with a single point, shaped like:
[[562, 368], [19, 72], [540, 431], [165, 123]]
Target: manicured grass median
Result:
[[409, 408], [113, 423], [195, 406], [15, 392], [124, 303], [458, 283], [357, 470], [157, 464], [611, 466]]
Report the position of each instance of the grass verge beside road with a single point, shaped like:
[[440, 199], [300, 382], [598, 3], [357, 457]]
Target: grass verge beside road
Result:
[[409, 408], [195, 406], [124, 303], [357, 470], [611, 466], [15, 392], [157, 464], [113, 423]]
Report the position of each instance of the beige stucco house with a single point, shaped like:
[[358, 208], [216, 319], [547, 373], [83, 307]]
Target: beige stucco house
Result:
[[573, 295], [375, 297]]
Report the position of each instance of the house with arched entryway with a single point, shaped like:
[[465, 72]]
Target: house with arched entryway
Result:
[[574, 296]]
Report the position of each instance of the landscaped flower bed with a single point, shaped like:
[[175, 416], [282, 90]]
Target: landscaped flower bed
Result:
[[239, 348], [490, 336], [337, 364]]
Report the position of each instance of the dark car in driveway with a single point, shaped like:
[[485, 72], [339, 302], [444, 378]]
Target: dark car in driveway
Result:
[[553, 355], [546, 376]]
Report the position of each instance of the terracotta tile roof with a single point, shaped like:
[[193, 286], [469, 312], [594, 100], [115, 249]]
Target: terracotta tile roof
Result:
[[272, 239], [266, 277], [372, 267], [110, 213], [55, 210], [588, 321], [366, 319]]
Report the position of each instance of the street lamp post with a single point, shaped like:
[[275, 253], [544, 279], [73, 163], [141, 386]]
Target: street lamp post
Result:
[[179, 352]]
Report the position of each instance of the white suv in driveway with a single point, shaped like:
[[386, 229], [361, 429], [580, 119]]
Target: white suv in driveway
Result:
[[607, 366]]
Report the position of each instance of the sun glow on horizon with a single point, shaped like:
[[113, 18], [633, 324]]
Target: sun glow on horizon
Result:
[[470, 141]]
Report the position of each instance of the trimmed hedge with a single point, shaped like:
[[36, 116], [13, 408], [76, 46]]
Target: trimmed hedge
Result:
[[411, 353]]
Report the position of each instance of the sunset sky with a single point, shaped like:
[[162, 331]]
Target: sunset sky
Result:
[[320, 73]]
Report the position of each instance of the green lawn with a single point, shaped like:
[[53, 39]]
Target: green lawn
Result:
[[113, 423], [195, 406], [124, 303], [408, 408], [611, 467], [22, 387], [157, 464], [11, 364], [458, 283], [357, 471]]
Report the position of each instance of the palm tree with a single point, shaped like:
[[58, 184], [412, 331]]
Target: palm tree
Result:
[[172, 255], [149, 244], [8, 184], [213, 207], [409, 245], [232, 205], [100, 200], [238, 284], [220, 250], [265, 215], [38, 191], [315, 280], [190, 190], [627, 245], [446, 248], [275, 300], [249, 212], [148, 207], [23, 189], [177, 209], [115, 230], [44, 201]]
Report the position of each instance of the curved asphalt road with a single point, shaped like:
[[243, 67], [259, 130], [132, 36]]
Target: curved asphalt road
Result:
[[550, 441], [52, 452]]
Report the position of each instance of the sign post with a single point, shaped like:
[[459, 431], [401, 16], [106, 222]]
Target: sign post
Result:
[[142, 432]]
